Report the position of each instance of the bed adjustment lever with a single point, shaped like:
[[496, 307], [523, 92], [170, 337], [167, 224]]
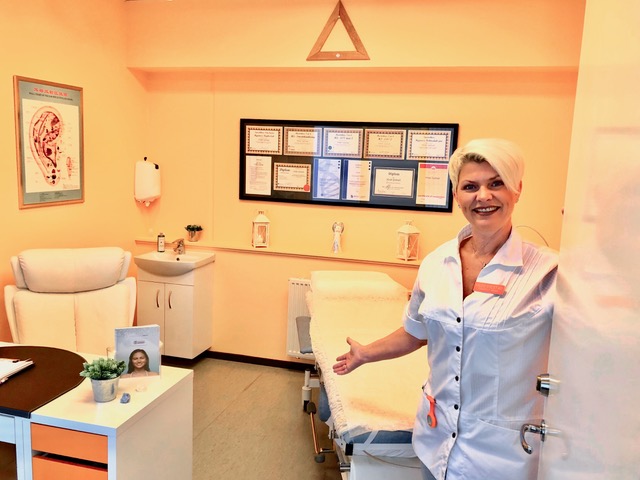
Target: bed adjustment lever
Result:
[[310, 408]]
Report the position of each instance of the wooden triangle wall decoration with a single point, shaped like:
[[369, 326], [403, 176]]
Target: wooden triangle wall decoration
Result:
[[339, 13]]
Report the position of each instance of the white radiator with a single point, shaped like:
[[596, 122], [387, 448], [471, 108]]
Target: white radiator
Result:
[[298, 287]]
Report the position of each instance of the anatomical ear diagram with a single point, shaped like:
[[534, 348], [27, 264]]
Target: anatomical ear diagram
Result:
[[45, 134]]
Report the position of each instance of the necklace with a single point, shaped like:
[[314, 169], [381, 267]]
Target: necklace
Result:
[[482, 257]]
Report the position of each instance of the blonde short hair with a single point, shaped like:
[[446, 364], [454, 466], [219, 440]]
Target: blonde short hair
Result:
[[505, 158]]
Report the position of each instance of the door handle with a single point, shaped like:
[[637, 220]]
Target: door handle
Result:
[[545, 385], [543, 430]]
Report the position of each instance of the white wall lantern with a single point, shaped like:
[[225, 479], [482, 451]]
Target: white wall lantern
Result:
[[408, 242], [260, 232]]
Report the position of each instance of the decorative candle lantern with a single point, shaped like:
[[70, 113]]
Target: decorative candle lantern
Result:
[[408, 244], [260, 232]]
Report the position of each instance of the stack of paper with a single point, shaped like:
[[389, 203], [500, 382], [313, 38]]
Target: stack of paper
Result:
[[10, 366]]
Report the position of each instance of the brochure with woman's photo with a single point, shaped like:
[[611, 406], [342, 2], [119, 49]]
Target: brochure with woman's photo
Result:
[[139, 348]]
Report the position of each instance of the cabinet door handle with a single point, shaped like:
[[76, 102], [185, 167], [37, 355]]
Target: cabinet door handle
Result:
[[169, 299], [158, 298]]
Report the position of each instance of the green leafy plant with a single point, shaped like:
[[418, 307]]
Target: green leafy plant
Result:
[[103, 369], [193, 228]]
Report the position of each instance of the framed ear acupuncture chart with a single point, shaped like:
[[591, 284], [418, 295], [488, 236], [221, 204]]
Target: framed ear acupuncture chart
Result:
[[362, 164], [49, 142]]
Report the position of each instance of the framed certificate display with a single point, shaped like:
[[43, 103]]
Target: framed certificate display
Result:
[[363, 164]]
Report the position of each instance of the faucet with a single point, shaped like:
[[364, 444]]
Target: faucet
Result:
[[179, 246]]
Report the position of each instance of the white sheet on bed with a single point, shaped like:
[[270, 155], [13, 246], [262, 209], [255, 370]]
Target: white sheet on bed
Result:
[[364, 306]]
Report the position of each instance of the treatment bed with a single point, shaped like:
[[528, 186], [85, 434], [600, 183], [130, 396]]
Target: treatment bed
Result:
[[370, 412]]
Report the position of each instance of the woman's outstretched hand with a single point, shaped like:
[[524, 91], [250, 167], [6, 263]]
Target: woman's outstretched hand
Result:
[[348, 362]]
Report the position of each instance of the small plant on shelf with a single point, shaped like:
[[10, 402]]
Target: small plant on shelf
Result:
[[194, 232], [103, 369]]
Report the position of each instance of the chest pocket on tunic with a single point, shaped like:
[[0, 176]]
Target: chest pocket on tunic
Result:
[[484, 311]]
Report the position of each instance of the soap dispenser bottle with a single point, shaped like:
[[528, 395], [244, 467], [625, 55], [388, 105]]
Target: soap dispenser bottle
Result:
[[160, 242]]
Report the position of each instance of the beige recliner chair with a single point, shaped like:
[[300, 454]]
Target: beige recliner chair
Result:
[[70, 298]]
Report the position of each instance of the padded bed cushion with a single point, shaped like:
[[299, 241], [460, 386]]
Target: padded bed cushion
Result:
[[379, 397]]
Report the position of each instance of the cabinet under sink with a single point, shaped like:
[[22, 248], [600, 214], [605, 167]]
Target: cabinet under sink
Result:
[[182, 305]]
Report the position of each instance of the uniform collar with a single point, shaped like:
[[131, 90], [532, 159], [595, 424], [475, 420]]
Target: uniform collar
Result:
[[509, 254]]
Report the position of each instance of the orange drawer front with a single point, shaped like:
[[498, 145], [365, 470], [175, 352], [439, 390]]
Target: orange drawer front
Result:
[[69, 443], [55, 469]]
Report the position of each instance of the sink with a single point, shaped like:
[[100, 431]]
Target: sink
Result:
[[170, 264]]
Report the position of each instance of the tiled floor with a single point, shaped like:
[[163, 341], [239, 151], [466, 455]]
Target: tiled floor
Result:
[[249, 424]]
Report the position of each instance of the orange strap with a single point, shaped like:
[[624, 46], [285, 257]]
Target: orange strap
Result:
[[431, 416]]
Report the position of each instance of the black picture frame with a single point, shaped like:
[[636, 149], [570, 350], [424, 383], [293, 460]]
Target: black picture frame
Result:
[[354, 164]]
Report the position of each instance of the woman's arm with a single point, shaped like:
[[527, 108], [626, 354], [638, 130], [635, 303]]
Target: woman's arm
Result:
[[395, 345]]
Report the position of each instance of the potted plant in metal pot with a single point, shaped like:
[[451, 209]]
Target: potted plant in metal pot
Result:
[[105, 375], [194, 232]]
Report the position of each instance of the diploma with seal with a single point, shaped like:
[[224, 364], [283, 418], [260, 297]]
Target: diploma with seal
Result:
[[292, 177], [343, 142]]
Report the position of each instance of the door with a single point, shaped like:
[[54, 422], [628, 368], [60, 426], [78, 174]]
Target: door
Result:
[[178, 320], [151, 305], [592, 411]]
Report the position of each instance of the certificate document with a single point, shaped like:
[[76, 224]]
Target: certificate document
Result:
[[393, 182], [431, 145], [358, 180], [257, 175], [326, 178], [302, 141], [263, 139], [433, 184], [384, 143], [343, 142], [291, 177]]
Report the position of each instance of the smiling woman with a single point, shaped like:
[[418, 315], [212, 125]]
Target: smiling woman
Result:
[[138, 365], [475, 398], [487, 182]]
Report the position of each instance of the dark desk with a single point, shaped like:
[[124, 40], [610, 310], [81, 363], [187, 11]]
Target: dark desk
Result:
[[53, 373]]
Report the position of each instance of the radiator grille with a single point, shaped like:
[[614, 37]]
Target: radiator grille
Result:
[[298, 287]]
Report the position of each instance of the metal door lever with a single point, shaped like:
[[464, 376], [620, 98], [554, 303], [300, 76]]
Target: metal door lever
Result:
[[543, 430]]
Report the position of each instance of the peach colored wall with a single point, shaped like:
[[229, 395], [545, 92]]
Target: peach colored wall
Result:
[[201, 66], [253, 70], [78, 43], [403, 33], [250, 294]]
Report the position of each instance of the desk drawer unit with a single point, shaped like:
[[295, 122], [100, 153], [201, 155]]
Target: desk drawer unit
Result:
[[59, 453]]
